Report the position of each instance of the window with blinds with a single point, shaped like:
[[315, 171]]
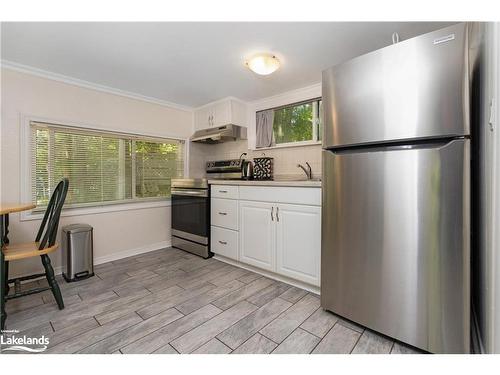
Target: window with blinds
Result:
[[102, 167]]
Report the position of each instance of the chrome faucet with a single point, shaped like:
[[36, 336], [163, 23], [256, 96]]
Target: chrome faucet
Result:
[[307, 171]]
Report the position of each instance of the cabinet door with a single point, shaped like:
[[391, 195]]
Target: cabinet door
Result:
[[298, 242], [258, 234], [202, 118], [222, 113], [211, 116], [238, 113], [198, 119]]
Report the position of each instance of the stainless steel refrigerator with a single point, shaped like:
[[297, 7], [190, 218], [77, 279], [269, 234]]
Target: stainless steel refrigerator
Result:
[[396, 219]]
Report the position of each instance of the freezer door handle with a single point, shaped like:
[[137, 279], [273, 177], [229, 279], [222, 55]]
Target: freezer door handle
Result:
[[418, 144]]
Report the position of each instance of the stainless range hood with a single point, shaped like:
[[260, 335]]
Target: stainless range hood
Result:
[[220, 134]]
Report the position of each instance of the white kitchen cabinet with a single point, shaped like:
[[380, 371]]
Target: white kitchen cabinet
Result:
[[298, 242], [223, 112], [275, 229], [224, 213], [224, 242], [281, 194], [203, 118], [224, 191], [257, 234]]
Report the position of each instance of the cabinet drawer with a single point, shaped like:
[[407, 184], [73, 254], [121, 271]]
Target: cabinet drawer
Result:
[[224, 213], [224, 242], [224, 191]]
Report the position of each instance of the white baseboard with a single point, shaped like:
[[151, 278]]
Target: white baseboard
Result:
[[122, 254], [299, 284], [132, 252]]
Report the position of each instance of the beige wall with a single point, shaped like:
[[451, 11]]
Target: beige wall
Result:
[[122, 232]]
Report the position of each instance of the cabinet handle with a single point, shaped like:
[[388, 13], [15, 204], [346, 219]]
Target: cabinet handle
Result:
[[272, 210], [223, 213], [223, 191], [222, 242], [277, 214]]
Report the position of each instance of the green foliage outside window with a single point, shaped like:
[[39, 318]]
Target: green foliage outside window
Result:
[[293, 124], [100, 167], [155, 164], [297, 123]]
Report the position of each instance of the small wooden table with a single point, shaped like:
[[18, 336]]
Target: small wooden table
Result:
[[5, 210], [8, 208]]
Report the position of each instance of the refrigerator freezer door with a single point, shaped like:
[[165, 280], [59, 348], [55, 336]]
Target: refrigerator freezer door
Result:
[[395, 242], [417, 88]]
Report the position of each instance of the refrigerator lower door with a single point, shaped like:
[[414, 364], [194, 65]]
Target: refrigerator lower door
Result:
[[395, 242]]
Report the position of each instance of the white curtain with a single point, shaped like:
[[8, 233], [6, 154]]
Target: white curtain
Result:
[[264, 128]]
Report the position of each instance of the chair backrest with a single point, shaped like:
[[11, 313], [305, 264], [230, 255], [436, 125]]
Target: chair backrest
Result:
[[47, 233]]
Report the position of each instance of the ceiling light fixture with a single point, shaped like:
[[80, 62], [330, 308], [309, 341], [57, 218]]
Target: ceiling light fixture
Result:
[[263, 64]]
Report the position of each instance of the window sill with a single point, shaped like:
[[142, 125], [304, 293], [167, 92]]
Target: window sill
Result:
[[82, 211], [288, 145]]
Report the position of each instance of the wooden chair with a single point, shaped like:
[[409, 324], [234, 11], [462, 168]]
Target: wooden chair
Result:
[[44, 244]]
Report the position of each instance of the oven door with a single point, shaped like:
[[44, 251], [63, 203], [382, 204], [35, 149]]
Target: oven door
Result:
[[191, 214]]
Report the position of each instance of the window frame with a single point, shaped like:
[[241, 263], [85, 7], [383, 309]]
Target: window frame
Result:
[[316, 132], [93, 207]]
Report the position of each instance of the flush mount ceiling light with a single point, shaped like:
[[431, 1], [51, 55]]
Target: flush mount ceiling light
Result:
[[263, 64]]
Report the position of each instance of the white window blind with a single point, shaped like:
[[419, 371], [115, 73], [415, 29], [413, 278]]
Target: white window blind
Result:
[[102, 167]]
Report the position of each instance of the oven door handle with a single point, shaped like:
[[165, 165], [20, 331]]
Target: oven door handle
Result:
[[191, 193]]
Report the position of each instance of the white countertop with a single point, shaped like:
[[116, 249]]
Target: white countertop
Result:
[[276, 182]]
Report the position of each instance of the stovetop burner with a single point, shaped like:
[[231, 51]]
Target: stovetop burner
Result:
[[225, 166]]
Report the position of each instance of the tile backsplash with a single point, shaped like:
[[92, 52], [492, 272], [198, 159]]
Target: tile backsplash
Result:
[[285, 159]]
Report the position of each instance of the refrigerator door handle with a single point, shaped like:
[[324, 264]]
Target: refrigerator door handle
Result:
[[398, 146]]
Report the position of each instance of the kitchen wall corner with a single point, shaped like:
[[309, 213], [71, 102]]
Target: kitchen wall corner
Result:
[[285, 158]]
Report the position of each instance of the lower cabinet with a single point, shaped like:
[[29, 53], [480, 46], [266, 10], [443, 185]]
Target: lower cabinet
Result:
[[282, 238], [298, 242], [224, 242], [257, 234], [276, 229]]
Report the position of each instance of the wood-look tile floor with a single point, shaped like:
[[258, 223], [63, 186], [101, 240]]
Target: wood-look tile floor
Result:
[[170, 301]]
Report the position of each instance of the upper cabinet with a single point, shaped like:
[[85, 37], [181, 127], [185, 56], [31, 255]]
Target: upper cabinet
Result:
[[223, 112], [203, 118]]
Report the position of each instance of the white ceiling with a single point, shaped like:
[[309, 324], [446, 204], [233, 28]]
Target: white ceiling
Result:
[[194, 63]]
